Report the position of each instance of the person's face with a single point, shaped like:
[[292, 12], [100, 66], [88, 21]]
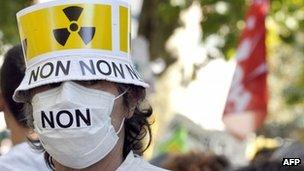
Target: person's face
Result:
[[119, 109]]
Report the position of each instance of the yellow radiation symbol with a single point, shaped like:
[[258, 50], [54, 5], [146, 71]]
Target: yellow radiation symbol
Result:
[[79, 26], [62, 34]]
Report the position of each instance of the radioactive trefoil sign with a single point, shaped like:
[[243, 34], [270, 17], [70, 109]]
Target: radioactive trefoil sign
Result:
[[62, 34], [74, 26]]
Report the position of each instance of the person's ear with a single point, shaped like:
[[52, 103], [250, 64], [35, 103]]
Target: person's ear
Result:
[[133, 103], [131, 112]]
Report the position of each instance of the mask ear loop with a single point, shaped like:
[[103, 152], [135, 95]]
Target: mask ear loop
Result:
[[121, 126], [121, 94], [123, 120]]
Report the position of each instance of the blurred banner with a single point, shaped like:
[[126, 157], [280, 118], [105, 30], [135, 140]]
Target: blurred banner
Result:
[[176, 143], [246, 105]]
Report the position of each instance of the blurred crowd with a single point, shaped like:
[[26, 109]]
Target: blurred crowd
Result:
[[266, 159]]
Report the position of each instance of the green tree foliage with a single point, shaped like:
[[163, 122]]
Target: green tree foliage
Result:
[[225, 18], [157, 22], [8, 21], [159, 19]]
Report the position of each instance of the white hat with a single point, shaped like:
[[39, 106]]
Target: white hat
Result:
[[76, 40]]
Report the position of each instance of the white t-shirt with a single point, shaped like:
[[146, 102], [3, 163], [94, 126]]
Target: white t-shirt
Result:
[[134, 162], [23, 158]]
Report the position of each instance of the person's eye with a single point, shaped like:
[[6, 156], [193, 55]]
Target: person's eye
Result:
[[87, 83], [92, 82], [54, 85]]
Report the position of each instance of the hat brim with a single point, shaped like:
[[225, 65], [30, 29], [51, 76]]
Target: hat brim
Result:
[[80, 67]]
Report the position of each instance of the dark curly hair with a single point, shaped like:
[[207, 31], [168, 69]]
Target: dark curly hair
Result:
[[12, 72], [136, 128]]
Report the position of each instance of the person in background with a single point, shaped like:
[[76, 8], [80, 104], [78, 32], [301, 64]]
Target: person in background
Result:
[[271, 166], [21, 156], [290, 149], [262, 155], [196, 161], [271, 159]]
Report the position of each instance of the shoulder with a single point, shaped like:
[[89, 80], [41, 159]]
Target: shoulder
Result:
[[22, 157], [144, 165], [135, 162]]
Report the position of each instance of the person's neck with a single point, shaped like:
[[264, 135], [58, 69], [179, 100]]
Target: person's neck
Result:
[[18, 136], [18, 132], [110, 163]]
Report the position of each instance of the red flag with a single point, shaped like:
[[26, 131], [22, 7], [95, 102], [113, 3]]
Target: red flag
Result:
[[246, 106]]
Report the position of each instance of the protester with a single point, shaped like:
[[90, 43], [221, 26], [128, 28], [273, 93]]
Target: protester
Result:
[[271, 166], [83, 96], [262, 156], [21, 156], [271, 159], [292, 149], [196, 161]]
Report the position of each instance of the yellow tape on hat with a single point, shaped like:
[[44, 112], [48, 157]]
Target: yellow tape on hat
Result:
[[76, 26]]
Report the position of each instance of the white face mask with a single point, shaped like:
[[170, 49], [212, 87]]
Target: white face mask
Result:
[[74, 124]]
